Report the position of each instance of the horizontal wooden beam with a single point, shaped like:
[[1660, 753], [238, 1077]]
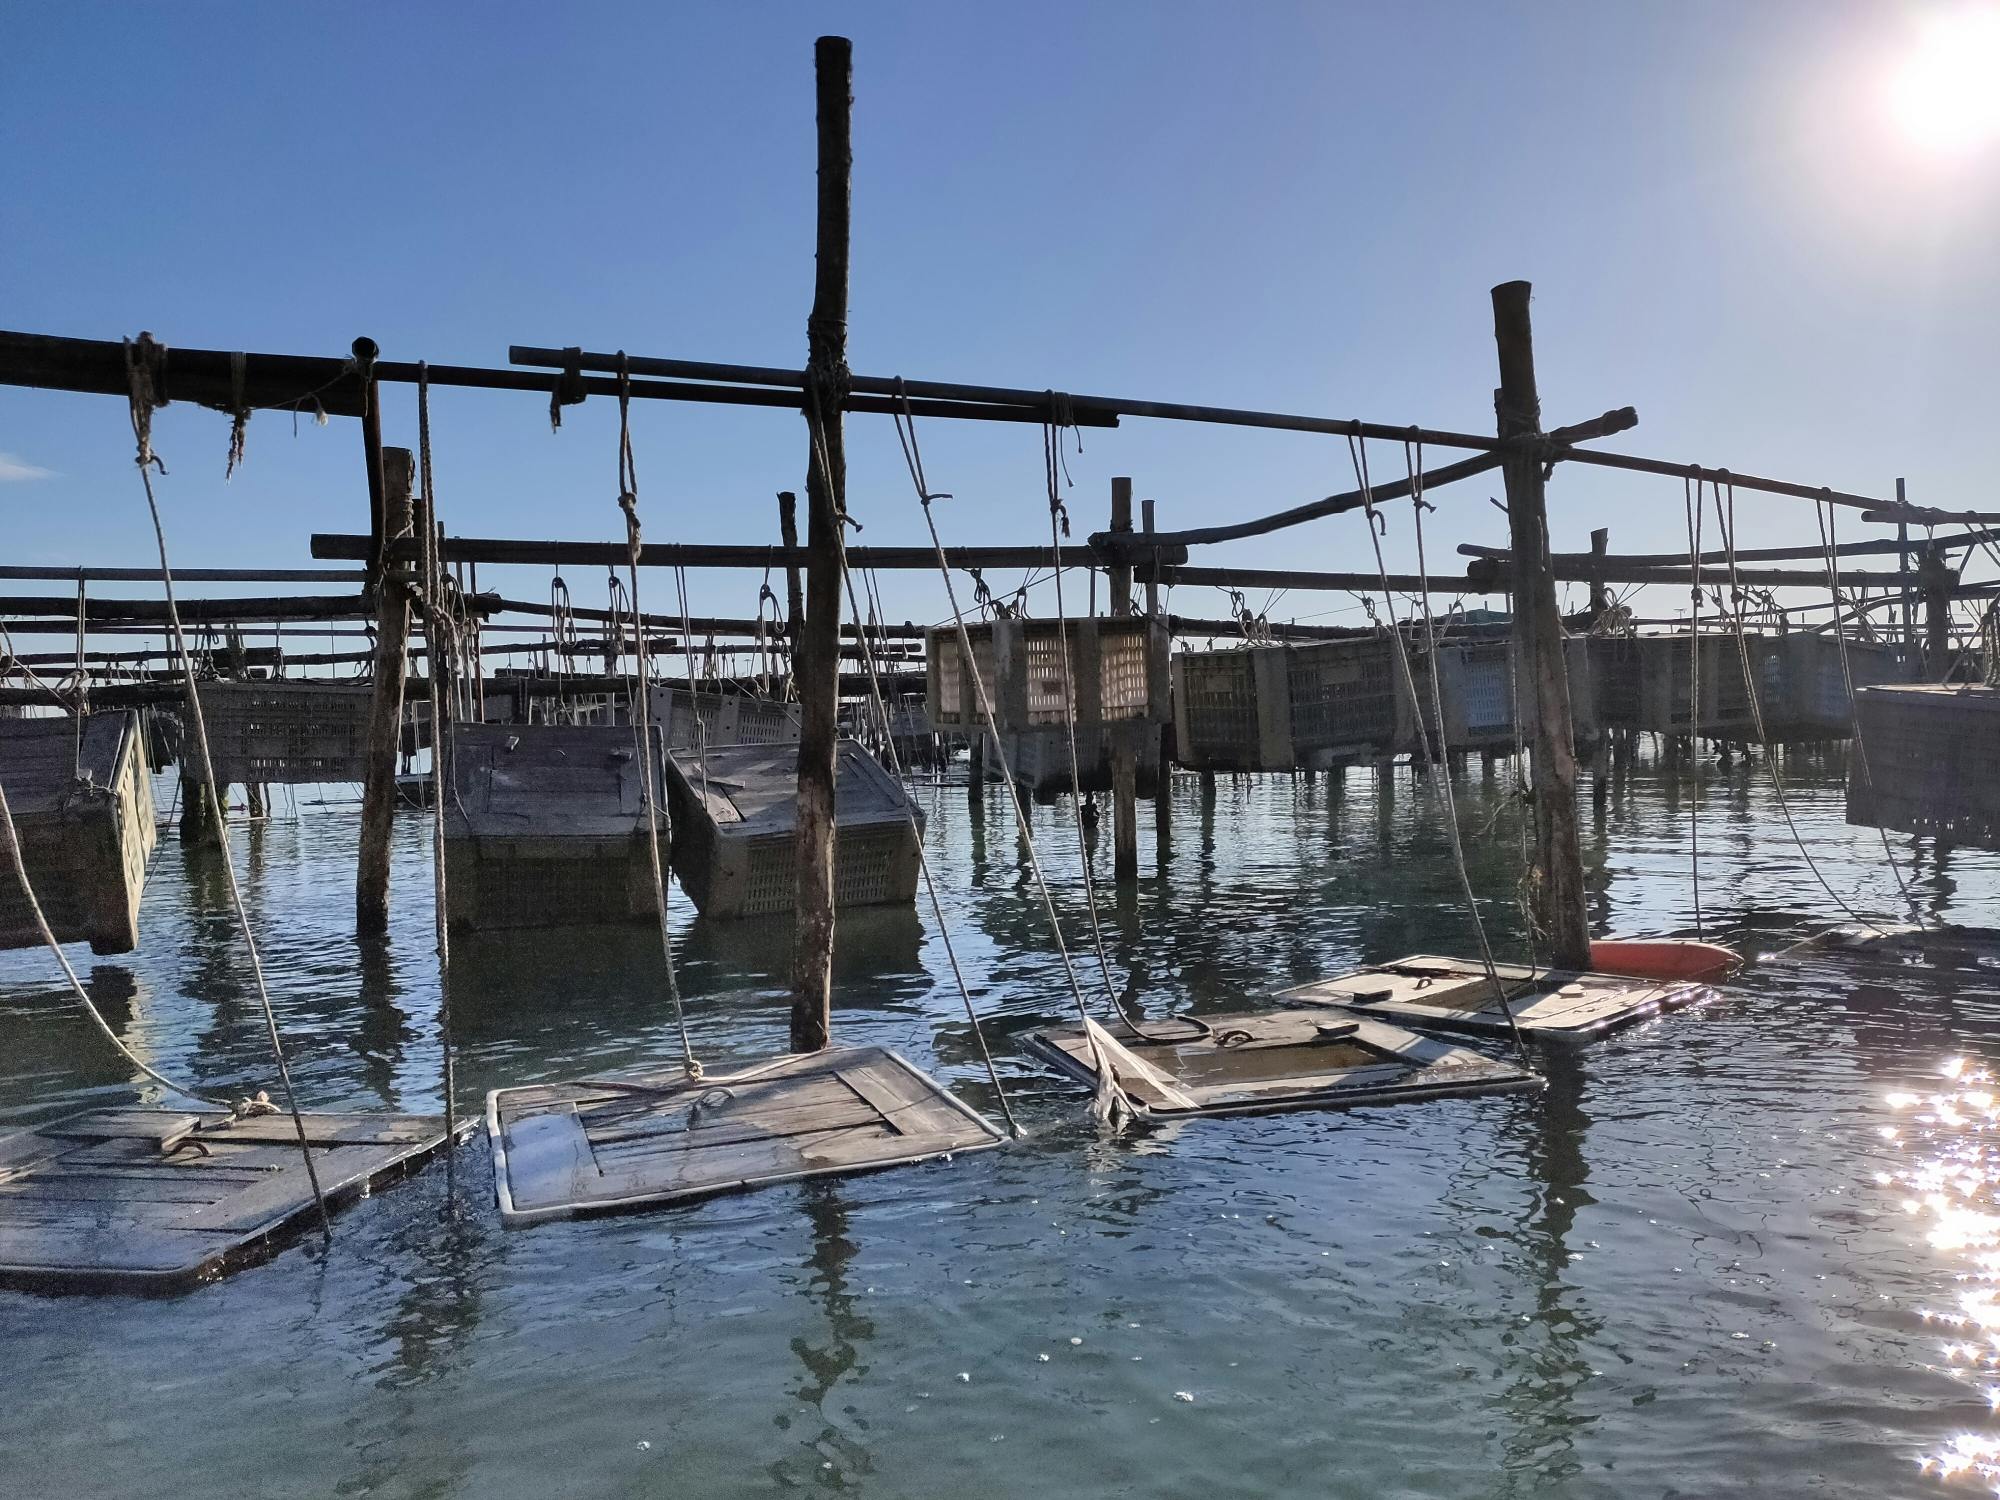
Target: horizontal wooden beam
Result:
[[1883, 548], [507, 551], [27, 573]]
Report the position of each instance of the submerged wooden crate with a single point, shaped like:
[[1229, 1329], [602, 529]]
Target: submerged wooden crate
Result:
[[1263, 1061], [1456, 995], [286, 732], [1932, 762], [545, 826], [155, 1199], [735, 821], [84, 839], [1117, 668], [614, 1145]]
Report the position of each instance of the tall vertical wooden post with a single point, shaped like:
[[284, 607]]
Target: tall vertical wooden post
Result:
[[795, 598], [1934, 576], [1124, 753], [385, 713], [1600, 596], [818, 665], [1903, 569], [1558, 894]]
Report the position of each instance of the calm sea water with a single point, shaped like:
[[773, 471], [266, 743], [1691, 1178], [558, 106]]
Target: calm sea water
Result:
[[1754, 1244]]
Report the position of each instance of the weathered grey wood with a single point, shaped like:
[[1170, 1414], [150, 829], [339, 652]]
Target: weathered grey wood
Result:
[[1278, 1059], [93, 1201], [663, 1139], [817, 666], [385, 723], [1124, 754]]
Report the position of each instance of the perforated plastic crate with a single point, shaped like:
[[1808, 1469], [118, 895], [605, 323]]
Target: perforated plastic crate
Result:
[[1116, 672], [1932, 758], [287, 732]]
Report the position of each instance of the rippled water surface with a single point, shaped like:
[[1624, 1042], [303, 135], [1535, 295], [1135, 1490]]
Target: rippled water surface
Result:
[[1755, 1244]]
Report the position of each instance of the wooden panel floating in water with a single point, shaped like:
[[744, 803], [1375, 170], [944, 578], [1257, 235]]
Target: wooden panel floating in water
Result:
[[1262, 1061], [1945, 945], [1455, 994], [646, 1140], [85, 819], [153, 1200]]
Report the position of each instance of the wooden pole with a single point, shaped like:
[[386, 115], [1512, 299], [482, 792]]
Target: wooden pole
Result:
[[1124, 755], [1600, 597], [1934, 577], [818, 667], [1557, 884], [385, 717], [795, 599]]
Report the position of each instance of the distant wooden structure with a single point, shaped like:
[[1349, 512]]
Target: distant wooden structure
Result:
[[152, 1199], [85, 818], [266, 732], [1929, 762], [545, 826], [647, 1140], [1456, 995], [1264, 1061], [734, 811]]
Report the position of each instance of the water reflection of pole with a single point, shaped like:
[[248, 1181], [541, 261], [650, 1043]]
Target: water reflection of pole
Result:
[[1540, 1397], [832, 1251], [377, 1038]]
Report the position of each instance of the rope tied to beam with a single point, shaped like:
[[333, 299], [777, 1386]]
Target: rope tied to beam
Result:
[[642, 714], [144, 362], [239, 415]]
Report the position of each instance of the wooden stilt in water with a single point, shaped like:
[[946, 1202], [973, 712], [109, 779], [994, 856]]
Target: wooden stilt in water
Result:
[[817, 670], [795, 598], [385, 721], [1934, 576], [1124, 753], [1557, 878], [254, 799]]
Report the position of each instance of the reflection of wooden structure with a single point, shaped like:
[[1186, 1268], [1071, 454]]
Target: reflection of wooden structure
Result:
[[150, 1199], [610, 1145], [1276, 1060], [1455, 994], [735, 828], [545, 826], [1932, 755], [262, 733], [86, 829], [1039, 758]]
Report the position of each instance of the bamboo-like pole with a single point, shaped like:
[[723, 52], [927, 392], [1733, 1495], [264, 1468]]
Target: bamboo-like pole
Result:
[[1124, 754], [385, 718]]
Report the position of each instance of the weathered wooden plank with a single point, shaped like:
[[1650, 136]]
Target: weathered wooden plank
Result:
[[139, 1249], [28, 1150], [549, 1159], [286, 1193], [674, 1135], [107, 1124], [328, 1130], [112, 1187]]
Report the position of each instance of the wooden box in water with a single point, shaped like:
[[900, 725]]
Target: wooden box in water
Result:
[[545, 826], [735, 821], [286, 732], [1928, 762], [1804, 686], [1648, 682], [86, 828], [1117, 669]]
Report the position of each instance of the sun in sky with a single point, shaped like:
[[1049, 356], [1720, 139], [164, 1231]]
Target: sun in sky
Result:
[[1945, 92]]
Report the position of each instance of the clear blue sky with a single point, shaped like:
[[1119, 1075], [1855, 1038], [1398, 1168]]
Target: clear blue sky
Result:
[[1293, 206]]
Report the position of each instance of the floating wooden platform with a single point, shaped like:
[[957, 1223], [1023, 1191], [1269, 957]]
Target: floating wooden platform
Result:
[[1455, 994], [1263, 1061], [154, 1200], [646, 1140], [1949, 944]]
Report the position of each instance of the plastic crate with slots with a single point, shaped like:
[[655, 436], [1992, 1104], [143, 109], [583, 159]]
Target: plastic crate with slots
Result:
[[545, 826], [286, 732], [1477, 682], [84, 815], [1116, 668], [1928, 762], [1348, 701], [735, 821], [717, 717], [1655, 676], [1808, 695]]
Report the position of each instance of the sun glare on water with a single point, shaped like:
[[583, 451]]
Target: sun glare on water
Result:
[[1945, 94]]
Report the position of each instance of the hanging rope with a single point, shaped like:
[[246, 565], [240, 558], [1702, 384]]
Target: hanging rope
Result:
[[1725, 520], [141, 359], [437, 634], [1357, 452], [1691, 502], [642, 715], [1829, 532], [1109, 1102]]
